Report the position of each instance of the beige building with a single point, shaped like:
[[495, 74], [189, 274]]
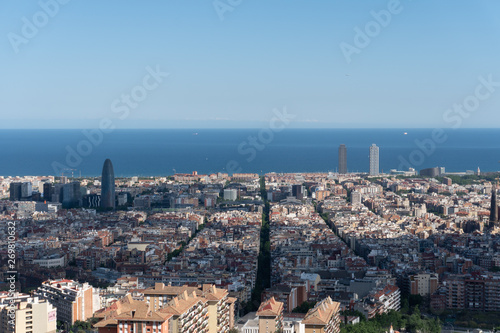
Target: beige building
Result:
[[323, 318], [270, 315], [220, 309], [74, 301], [28, 316], [189, 313], [219, 306], [423, 284], [128, 315], [158, 296], [204, 309]]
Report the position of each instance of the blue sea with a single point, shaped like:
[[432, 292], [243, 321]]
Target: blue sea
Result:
[[169, 151]]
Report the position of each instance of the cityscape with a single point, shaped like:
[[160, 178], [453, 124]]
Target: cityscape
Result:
[[232, 166], [280, 252]]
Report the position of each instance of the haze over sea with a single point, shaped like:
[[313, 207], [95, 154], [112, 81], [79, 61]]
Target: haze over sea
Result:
[[169, 151]]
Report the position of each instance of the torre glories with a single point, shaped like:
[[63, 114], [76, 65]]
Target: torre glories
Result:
[[108, 185]]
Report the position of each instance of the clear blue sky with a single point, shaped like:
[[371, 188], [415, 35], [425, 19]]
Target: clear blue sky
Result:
[[264, 55]]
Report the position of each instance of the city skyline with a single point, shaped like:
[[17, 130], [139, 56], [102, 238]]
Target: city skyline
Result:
[[235, 166]]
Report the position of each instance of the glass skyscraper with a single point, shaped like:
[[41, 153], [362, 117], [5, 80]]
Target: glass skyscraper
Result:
[[108, 185]]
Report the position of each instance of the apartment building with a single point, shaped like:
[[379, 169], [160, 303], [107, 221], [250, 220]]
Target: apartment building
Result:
[[189, 313], [323, 318], [28, 315], [128, 315], [159, 295], [473, 292], [270, 315], [423, 284], [74, 301]]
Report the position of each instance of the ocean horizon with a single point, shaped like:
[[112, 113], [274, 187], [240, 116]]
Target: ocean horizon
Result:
[[163, 152]]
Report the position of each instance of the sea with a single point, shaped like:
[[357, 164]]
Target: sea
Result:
[[163, 152]]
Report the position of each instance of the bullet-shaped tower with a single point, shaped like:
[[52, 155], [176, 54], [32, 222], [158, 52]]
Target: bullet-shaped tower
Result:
[[108, 185]]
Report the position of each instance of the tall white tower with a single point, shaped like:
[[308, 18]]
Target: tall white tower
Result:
[[374, 160]]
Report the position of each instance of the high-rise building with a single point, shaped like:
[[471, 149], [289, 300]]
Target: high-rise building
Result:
[[26, 190], [374, 160], [270, 315], [423, 284], [342, 159], [72, 300], [27, 314], [21, 191], [230, 194], [324, 317], [472, 292], [72, 195], [298, 191], [48, 191], [356, 198], [15, 191], [108, 185], [186, 302], [130, 315], [57, 194], [91, 201], [494, 207]]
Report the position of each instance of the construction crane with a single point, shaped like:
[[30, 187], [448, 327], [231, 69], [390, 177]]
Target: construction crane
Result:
[[72, 172]]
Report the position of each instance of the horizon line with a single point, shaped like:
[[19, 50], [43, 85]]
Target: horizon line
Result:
[[239, 128]]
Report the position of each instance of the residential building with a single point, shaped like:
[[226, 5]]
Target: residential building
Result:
[[283, 293], [270, 315], [73, 301], [31, 315], [159, 295], [128, 316], [323, 318], [189, 313], [423, 284]]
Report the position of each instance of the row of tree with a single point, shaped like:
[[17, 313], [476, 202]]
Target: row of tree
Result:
[[409, 322]]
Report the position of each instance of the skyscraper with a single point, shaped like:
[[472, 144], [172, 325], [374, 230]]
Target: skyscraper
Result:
[[374, 159], [15, 191], [494, 207], [72, 195], [48, 191], [108, 185], [342, 159], [298, 191]]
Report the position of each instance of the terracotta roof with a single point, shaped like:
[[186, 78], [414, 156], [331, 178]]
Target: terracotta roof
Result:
[[212, 293], [321, 313], [128, 309], [271, 308], [178, 305], [162, 289]]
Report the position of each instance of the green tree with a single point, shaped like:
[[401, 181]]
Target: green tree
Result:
[[304, 307]]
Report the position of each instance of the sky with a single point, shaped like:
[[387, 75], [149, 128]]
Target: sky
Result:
[[237, 63]]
